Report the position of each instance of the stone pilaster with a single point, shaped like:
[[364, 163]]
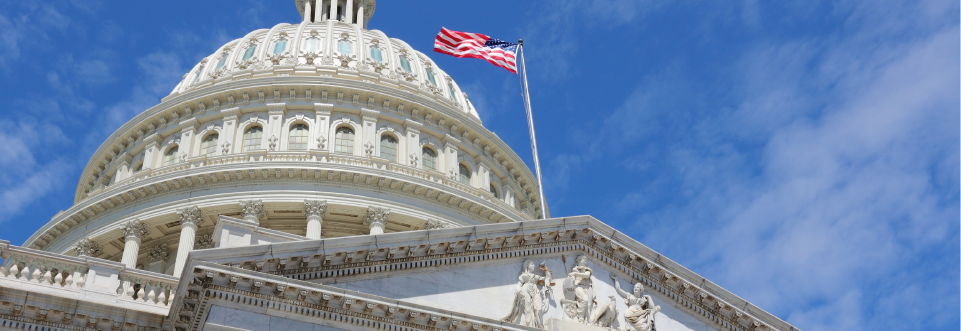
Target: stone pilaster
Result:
[[190, 219], [315, 217], [377, 219]]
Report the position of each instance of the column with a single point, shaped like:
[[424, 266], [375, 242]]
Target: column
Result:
[[369, 130], [190, 219], [252, 210], [307, 11], [349, 11], [319, 11], [360, 13], [332, 12], [133, 233], [413, 143], [315, 216], [377, 219]]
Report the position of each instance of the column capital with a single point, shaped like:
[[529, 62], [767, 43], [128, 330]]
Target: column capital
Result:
[[323, 108], [369, 114], [252, 210], [413, 126], [159, 253], [315, 208], [377, 216], [87, 248], [190, 216], [231, 113], [134, 230], [274, 108]]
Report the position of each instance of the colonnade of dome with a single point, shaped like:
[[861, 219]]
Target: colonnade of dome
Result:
[[319, 129]]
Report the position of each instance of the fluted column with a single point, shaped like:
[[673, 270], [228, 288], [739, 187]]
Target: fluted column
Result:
[[360, 14], [190, 219], [133, 233], [349, 11], [252, 210], [319, 11], [377, 219], [315, 216]]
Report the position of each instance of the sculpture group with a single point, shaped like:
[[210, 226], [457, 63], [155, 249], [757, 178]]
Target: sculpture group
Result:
[[533, 294]]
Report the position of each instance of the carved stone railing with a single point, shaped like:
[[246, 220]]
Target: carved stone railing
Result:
[[89, 279]]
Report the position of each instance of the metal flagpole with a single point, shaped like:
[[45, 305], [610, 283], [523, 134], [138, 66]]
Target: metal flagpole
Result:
[[530, 126]]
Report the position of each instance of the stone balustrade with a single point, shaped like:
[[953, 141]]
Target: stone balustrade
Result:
[[85, 278]]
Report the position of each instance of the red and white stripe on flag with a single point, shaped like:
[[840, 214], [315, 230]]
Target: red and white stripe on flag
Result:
[[478, 46]]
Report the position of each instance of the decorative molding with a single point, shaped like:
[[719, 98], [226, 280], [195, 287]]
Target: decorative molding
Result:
[[190, 216], [252, 210], [135, 230], [87, 247]]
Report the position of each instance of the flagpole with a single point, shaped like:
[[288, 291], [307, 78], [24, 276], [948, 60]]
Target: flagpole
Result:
[[530, 127]]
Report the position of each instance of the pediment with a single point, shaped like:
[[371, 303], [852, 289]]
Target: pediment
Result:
[[473, 276]]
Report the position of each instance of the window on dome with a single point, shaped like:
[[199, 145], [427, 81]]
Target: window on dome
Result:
[[376, 55], [428, 159], [343, 47], [223, 60], [388, 147], [298, 138], [453, 94], [249, 52], [313, 44], [209, 146], [493, 190], [344, 140], [171, 156], [430, 76], [404, 63], [280, 46], [252, 138], [199, 72], [464, 174]]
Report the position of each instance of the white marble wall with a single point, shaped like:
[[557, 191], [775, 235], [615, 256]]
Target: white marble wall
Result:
[[225, 318], [488, 291]]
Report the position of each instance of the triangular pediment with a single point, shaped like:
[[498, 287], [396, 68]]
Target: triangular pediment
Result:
[[472, 278]]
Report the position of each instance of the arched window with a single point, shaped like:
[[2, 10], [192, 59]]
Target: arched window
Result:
[[453, 94], [388, 147], [428, 159], [313, 44], [209, 146], [171, 156], [430, 76], [252, 138], [494, 190], [464, 174], [344, 140], [223, 60], [405, 63], [344, 47], [280, 46], [376, 54], [249, 52], [199, 72], [297, 140]]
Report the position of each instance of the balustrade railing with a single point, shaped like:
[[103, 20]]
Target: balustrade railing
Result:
[[85, 278]]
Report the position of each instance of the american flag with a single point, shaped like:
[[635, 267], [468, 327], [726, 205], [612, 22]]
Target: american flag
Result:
[[478, 46]]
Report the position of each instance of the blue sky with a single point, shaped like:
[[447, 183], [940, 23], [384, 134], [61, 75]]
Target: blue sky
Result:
[[804, 155]]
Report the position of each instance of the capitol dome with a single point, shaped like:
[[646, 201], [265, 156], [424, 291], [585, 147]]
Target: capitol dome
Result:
[[320, 129]]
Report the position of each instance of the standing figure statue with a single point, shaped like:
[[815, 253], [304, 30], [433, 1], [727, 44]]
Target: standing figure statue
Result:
[[640, 308], [578, 301], [530, 300]]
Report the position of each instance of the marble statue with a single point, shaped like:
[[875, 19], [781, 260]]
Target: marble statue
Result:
[[578, 301], [531, 297], [640, 308], [605, 314]]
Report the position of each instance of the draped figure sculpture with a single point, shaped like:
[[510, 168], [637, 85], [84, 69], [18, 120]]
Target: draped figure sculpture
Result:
[[578, 299], [531, 296], [640, 308]]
